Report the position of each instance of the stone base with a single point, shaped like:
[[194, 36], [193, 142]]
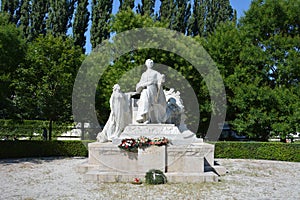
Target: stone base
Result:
[[187, 159], [115, 177], [181, 163]]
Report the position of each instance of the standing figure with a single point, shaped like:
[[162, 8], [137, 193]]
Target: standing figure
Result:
[[119, 116], [152, 103]]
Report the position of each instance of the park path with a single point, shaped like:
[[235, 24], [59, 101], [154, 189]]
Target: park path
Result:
[[56, 178]]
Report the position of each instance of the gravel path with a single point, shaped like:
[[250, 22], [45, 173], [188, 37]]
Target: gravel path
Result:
[[56, 178]]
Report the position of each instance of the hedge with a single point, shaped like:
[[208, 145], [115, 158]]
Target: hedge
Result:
[[231, 150], [258, 150], [35, 148]]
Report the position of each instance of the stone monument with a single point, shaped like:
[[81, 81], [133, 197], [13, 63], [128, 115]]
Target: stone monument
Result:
[[150, 112]]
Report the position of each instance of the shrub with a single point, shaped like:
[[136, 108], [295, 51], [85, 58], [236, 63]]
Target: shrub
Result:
[[155, 176], [258, 150], [35, 148]]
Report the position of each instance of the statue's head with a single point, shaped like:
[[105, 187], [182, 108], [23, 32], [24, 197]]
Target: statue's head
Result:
[[116, 87], [149, 63]]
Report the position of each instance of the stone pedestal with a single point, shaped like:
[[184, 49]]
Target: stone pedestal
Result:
[[169, 131], [188, 160]]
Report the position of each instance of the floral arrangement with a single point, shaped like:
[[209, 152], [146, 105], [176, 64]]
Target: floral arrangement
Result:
[[128, 144], [136, 181], [155, 176], [132, 145], [159, 141], [143, 142]]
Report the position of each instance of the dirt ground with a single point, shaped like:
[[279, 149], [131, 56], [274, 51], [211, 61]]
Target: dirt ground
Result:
[[56, 178]]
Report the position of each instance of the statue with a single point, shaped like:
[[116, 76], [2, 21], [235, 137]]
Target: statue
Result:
[[173, 112], [152, 104], [119, 116]]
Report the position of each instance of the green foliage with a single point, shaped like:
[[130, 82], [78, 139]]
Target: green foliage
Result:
[[126, 20], [155, 177], [27, 128], [12, 8], [146, 7], [101, 13], [12, 53], [258, 150], [208, 15], [126, 4], [81, 23], [60, 14], [44, 84], [259, 61], [20, 149], [38, 13]]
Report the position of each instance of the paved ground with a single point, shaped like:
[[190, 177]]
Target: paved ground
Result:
[[56, 178]]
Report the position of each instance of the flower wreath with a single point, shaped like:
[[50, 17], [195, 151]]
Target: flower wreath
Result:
[[132, 145]]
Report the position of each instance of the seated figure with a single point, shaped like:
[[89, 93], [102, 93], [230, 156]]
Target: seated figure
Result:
[[152, 104]]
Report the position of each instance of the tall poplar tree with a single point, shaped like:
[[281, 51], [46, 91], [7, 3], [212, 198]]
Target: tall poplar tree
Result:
[[81, 23], [38, 17], [208, 14], [124, 4], [166, 11], [182, 14], [197, 19], [217, 11], [146, 7], [176, 13], [13, 8], [25, 22], [101, 11], [60, 16]]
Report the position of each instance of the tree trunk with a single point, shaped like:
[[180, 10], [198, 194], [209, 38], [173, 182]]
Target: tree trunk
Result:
[[50, 129], [82, 130]]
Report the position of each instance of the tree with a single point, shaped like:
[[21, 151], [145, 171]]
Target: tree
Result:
[[260, 68], [125, 4], [12, 7], [275, 34], [38, 18], [182, 14], [25, 21], [101, 11], [60, 15], [12, 52], [146, 7], [207, 16], [197, 19], [45, 81], [217, 12], [81, 23], [166, 11]]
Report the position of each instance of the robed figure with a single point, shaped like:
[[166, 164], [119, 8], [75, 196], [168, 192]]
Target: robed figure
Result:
[[152, 103], [119, 116]]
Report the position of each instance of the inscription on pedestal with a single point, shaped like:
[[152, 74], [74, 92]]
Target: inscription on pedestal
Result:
[[152, 157]]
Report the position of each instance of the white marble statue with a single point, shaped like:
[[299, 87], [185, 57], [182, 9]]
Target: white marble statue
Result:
[[119, 116], [175, 109], [152, 104]]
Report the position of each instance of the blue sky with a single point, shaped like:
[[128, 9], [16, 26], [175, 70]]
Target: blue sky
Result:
[[239, 5]]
